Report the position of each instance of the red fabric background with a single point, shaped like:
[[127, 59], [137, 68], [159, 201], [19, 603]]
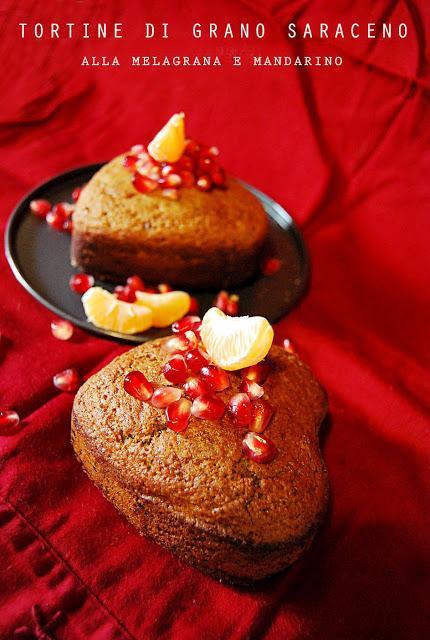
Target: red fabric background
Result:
[[346, 151]]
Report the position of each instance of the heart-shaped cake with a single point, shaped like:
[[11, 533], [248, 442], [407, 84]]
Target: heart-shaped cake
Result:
[[173, 216], [198, 475]]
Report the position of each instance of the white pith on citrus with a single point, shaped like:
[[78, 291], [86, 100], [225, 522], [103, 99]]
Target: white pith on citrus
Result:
[[104, 310], [166, 307], [235, 343], [169, 143]]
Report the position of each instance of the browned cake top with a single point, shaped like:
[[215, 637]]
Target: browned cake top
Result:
[[201, 472], [111, 206]]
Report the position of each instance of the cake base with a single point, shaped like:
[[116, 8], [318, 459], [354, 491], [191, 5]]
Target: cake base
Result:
[[194, 492], [226, 559], [202, 240], [180, 268]]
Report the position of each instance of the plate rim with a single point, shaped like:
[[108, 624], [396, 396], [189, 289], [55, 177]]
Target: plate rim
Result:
[[282, 219]]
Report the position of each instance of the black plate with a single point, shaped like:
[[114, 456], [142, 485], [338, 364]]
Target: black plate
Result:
[[39, 258]]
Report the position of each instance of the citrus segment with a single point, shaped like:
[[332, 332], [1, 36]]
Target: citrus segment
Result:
[[166, 307], [169, 143], [235, 343], [104, 310]]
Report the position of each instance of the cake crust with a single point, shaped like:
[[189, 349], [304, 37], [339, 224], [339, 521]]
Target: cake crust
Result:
[[204, 239], [194, 492]]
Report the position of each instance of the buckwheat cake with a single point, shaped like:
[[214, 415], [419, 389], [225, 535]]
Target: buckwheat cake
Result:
[[195, 492], [173, 216]]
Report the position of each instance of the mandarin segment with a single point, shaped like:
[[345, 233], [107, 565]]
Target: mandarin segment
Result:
[[169, 143], [166, 307], [235, 343], [104, 310]]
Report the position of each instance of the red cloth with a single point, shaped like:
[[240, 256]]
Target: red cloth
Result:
[[346, 150]]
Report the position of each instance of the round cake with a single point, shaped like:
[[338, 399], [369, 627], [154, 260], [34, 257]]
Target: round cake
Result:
[[204, 239], [195, 492]]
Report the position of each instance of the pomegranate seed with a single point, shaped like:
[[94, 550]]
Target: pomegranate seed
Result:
[[185, 324], [163, 396], [173, 180], [217, 378], [195, 360], [175, 369], [205, 156], [62, 329], [176, 344], [178, 414], [55, 220], [63, 209], [204, 183], [171, 194], [143, 184], [205, 163], [144, 158], [218, 177], [9, 419], [40, 208], [146, 169], [138, 148], [197, 327], [221, 301], [195, 387], [240, 409], [233, 305], [149, 170], [256, 372], [187, 178], [288, 347], [208, 407], [191, 148], [270, 266], [192, 338], [194, 306], [185, 164], [252, 388], [135, 283], [68, 225], [67, 380], [125, 294], [138, 386], [167, 170], [164, 288], [258, 448], [67, 208], [262, 413], [76, 193], [129, 162], [81, 282]]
